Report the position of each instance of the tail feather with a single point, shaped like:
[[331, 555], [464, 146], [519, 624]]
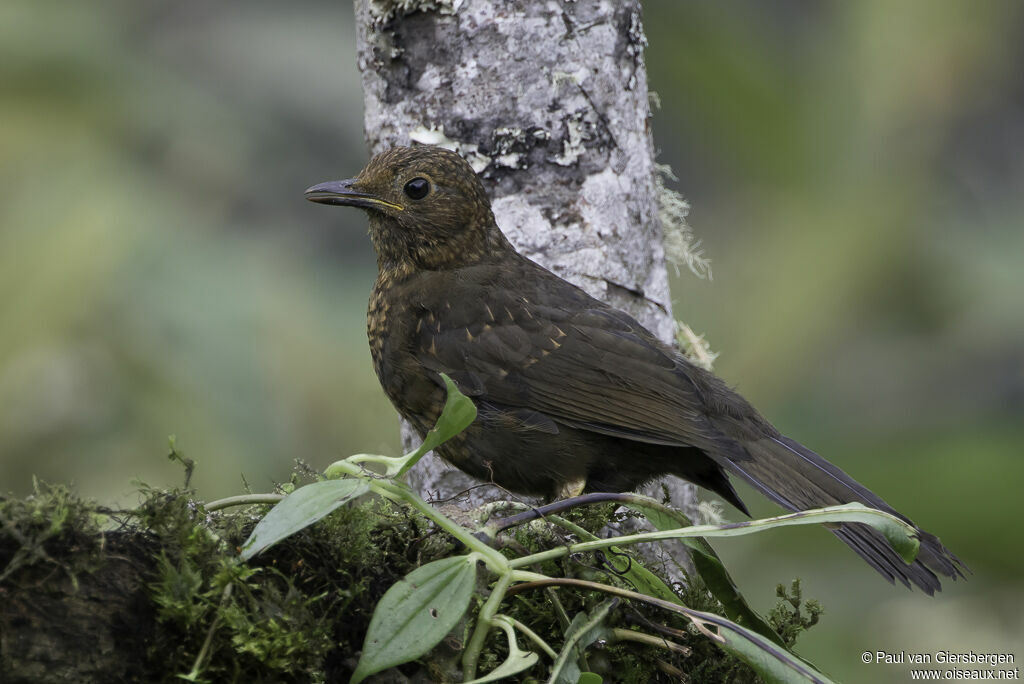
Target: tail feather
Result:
[[798, 479]]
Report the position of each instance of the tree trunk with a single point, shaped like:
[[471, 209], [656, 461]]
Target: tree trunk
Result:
[[548, 101]]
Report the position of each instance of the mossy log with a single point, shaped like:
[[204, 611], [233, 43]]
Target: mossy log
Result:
[[77, 615], [158, 593], [94, 595]]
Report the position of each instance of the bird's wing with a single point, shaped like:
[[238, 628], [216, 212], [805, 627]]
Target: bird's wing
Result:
[[557, 351]]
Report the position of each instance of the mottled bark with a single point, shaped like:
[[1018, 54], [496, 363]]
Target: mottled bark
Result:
[[96, 627], [549, 103]]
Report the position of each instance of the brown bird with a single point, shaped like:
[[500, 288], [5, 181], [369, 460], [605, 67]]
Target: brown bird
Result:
[[572, 395]]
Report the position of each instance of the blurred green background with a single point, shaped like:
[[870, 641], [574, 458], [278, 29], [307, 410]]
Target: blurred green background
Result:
[[855, 169]]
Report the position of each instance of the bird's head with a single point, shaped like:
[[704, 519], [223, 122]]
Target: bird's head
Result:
[[427, 209]]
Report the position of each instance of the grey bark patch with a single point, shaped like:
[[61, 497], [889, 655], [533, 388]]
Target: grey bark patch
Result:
[[549, 103]]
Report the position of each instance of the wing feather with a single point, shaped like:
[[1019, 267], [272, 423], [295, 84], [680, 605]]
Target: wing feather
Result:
[[592, 367]]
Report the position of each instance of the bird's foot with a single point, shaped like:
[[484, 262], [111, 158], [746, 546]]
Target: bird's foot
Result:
[[572, 488]]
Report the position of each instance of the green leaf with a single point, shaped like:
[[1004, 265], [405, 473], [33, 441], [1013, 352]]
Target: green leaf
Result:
[[589, 678], [299, 510], [586, 628], [645, 581], [459, 411], [901, 535], [517, 660], [456, 415], [773, 662], [416, 613], [708, 565], [515, 663]]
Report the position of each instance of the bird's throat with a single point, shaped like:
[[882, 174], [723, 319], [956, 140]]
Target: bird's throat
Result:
[[435, 248]]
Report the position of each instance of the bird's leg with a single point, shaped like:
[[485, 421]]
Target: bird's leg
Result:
[[571, 488]]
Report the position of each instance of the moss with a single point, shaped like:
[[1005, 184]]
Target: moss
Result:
[[38, 531], [296, 613], [384, 11], [708, 663], [299, 611], [792, 615]]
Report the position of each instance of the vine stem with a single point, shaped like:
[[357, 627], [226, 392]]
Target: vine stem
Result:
[[495, 561], [484, 622], [198, 664], [658, 642], [530, 634], [243, 500], [401, 493], [847, 512]]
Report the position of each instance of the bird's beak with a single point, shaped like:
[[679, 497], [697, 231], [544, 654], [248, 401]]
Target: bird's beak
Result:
[[343, 193]]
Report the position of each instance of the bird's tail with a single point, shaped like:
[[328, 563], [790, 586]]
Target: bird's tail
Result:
[[798, 479]]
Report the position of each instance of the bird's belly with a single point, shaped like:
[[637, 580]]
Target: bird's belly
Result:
[[522, 461], [537, 462], [417, 396]]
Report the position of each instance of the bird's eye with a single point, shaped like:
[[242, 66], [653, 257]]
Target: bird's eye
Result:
[[417, 188]]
